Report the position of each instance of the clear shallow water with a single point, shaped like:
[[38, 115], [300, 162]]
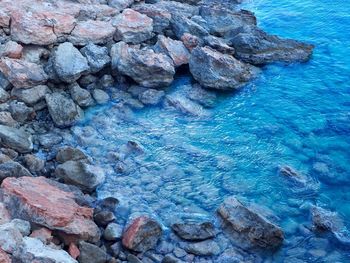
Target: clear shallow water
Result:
[[298, 115]]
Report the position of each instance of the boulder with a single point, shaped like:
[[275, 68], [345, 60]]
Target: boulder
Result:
[[254, 46], [34, 250], [215, 70], [96, 56], [175, 49], [90, 253], [50, 204], [250, 225], [22, 74], [81, 96], [68, 153], [177, 8], [219, 44], [144, 66], [63, 111], [79, 173], [12, 169], [142, 234], [90, 31], [194, 231], [16, 139], [68, 63], [203, 248], [133, 27], [31, 96]]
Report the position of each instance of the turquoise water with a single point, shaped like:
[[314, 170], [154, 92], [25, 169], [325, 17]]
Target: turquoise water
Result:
[[297, 115]]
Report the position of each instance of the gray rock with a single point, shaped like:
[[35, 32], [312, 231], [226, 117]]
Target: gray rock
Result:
[[87, 177], [33, 163], [177, 8], [186, 105], [181, 25], [49, 139], [116, 249], [96, 56], [151, 96], [68, 63], [68, 153], [4, 96], [120, 4], [22, 226], [16, 139], [194, 231], [203, 248], [34, 250], [133, 259], [219, 44], [103, 217], [250, 225], [31, 96], [64, 112], [7, 120], [215, 70], [12, 169], [90, 253], [4, 82], [171, 259], [81, 96], [144, 66], [113, 232], [10, 237], [20, 111], [202, 96], [100, 96]]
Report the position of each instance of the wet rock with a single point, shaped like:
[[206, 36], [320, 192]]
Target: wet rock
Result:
[[96, 56], [90, 253], [63, 111], [103, 217], [203, 248], [31, 96], [186, 105], [4, 257], [49, 139], [12, 169], [16, 139], [202, 96], [113, 232], [175, 49], [90, 31], [22, 74], [215, 70], [144, 66], [247, 223], [100, 96], [133, 27], [4, 96], [151, 96], [34, 250], [44, 202], [87, 177], [68, 153], [81, 96], [325, 220], [33, 163], [68, 63], [142, 234], [254, 46], [10, 238], [11, 49], [194, 231], [219, 44]]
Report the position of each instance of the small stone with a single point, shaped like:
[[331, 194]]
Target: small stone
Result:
[[170, 259], [33, 163], [43, 234], [100, 96], [4, 257], [68, 153], [81, 96], [133, 259], [20, 111], [12, 169], [116, 248], [113, 232], [7, 120], [104, 217], [90, 253]]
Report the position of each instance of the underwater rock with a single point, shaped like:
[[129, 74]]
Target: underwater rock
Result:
[[194, 231], [325, 220], [151, 96], [203, 248]]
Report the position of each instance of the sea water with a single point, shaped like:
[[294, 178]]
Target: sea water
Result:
[[296, 115]]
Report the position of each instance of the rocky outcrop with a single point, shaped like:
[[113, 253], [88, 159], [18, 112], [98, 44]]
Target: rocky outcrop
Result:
[[215, 70], [16, 139], [250, 225], [50, 204]]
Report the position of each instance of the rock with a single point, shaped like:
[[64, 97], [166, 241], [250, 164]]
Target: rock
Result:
[[100, 96], [254, 46], [175, 49], [219, 44], [35, 54], [4, 83], [31, 96], [177, 8], [142, 234], [10, 238], [133, 27], [133, 259], [151, 96], [161, 17], [190, 41], [4, 96], [33, 250], [113, 232], [20, 111], [48, 203], [258, 230], [103, 217], [181, 25], [171, 259], [90, 253], [12, 169], [7, 120], [146, 67], [325, 220], [87, 177], [43, 234], [4, 215], [68, 153], [33, 163], [90, 31], [73, 251], [215, 70], [22, 226], [120, 4], [194, 231], [203, 248], [63, 111], [4, 257], [202, 96], [109, 203], [11, 49], [81, 96], [289, 171], [16, 139], [48, 140], [96, 56], [185, 105], [22, 74], [68, 63]]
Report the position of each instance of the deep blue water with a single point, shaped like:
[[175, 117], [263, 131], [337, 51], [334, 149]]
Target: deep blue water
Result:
[[297, 115]]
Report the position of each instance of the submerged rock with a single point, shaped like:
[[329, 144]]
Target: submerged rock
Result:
[[250, 225], [151, 96], [203, 248], [325, 220], [194, 231], [16, 139], [215, 70]]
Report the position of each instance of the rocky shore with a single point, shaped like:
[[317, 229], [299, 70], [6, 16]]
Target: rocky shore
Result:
[[57, 59]]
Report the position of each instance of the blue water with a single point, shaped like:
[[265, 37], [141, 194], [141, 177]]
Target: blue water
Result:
[[297, 115]]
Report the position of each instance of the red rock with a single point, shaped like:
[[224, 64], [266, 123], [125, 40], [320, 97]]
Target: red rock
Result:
[[142, 234], [190, 41], [4, 215], [4, 257], [175, 49], [22, 74], [50, 204], [11, 49], [97, 32], [44, 234], [73, 250]]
